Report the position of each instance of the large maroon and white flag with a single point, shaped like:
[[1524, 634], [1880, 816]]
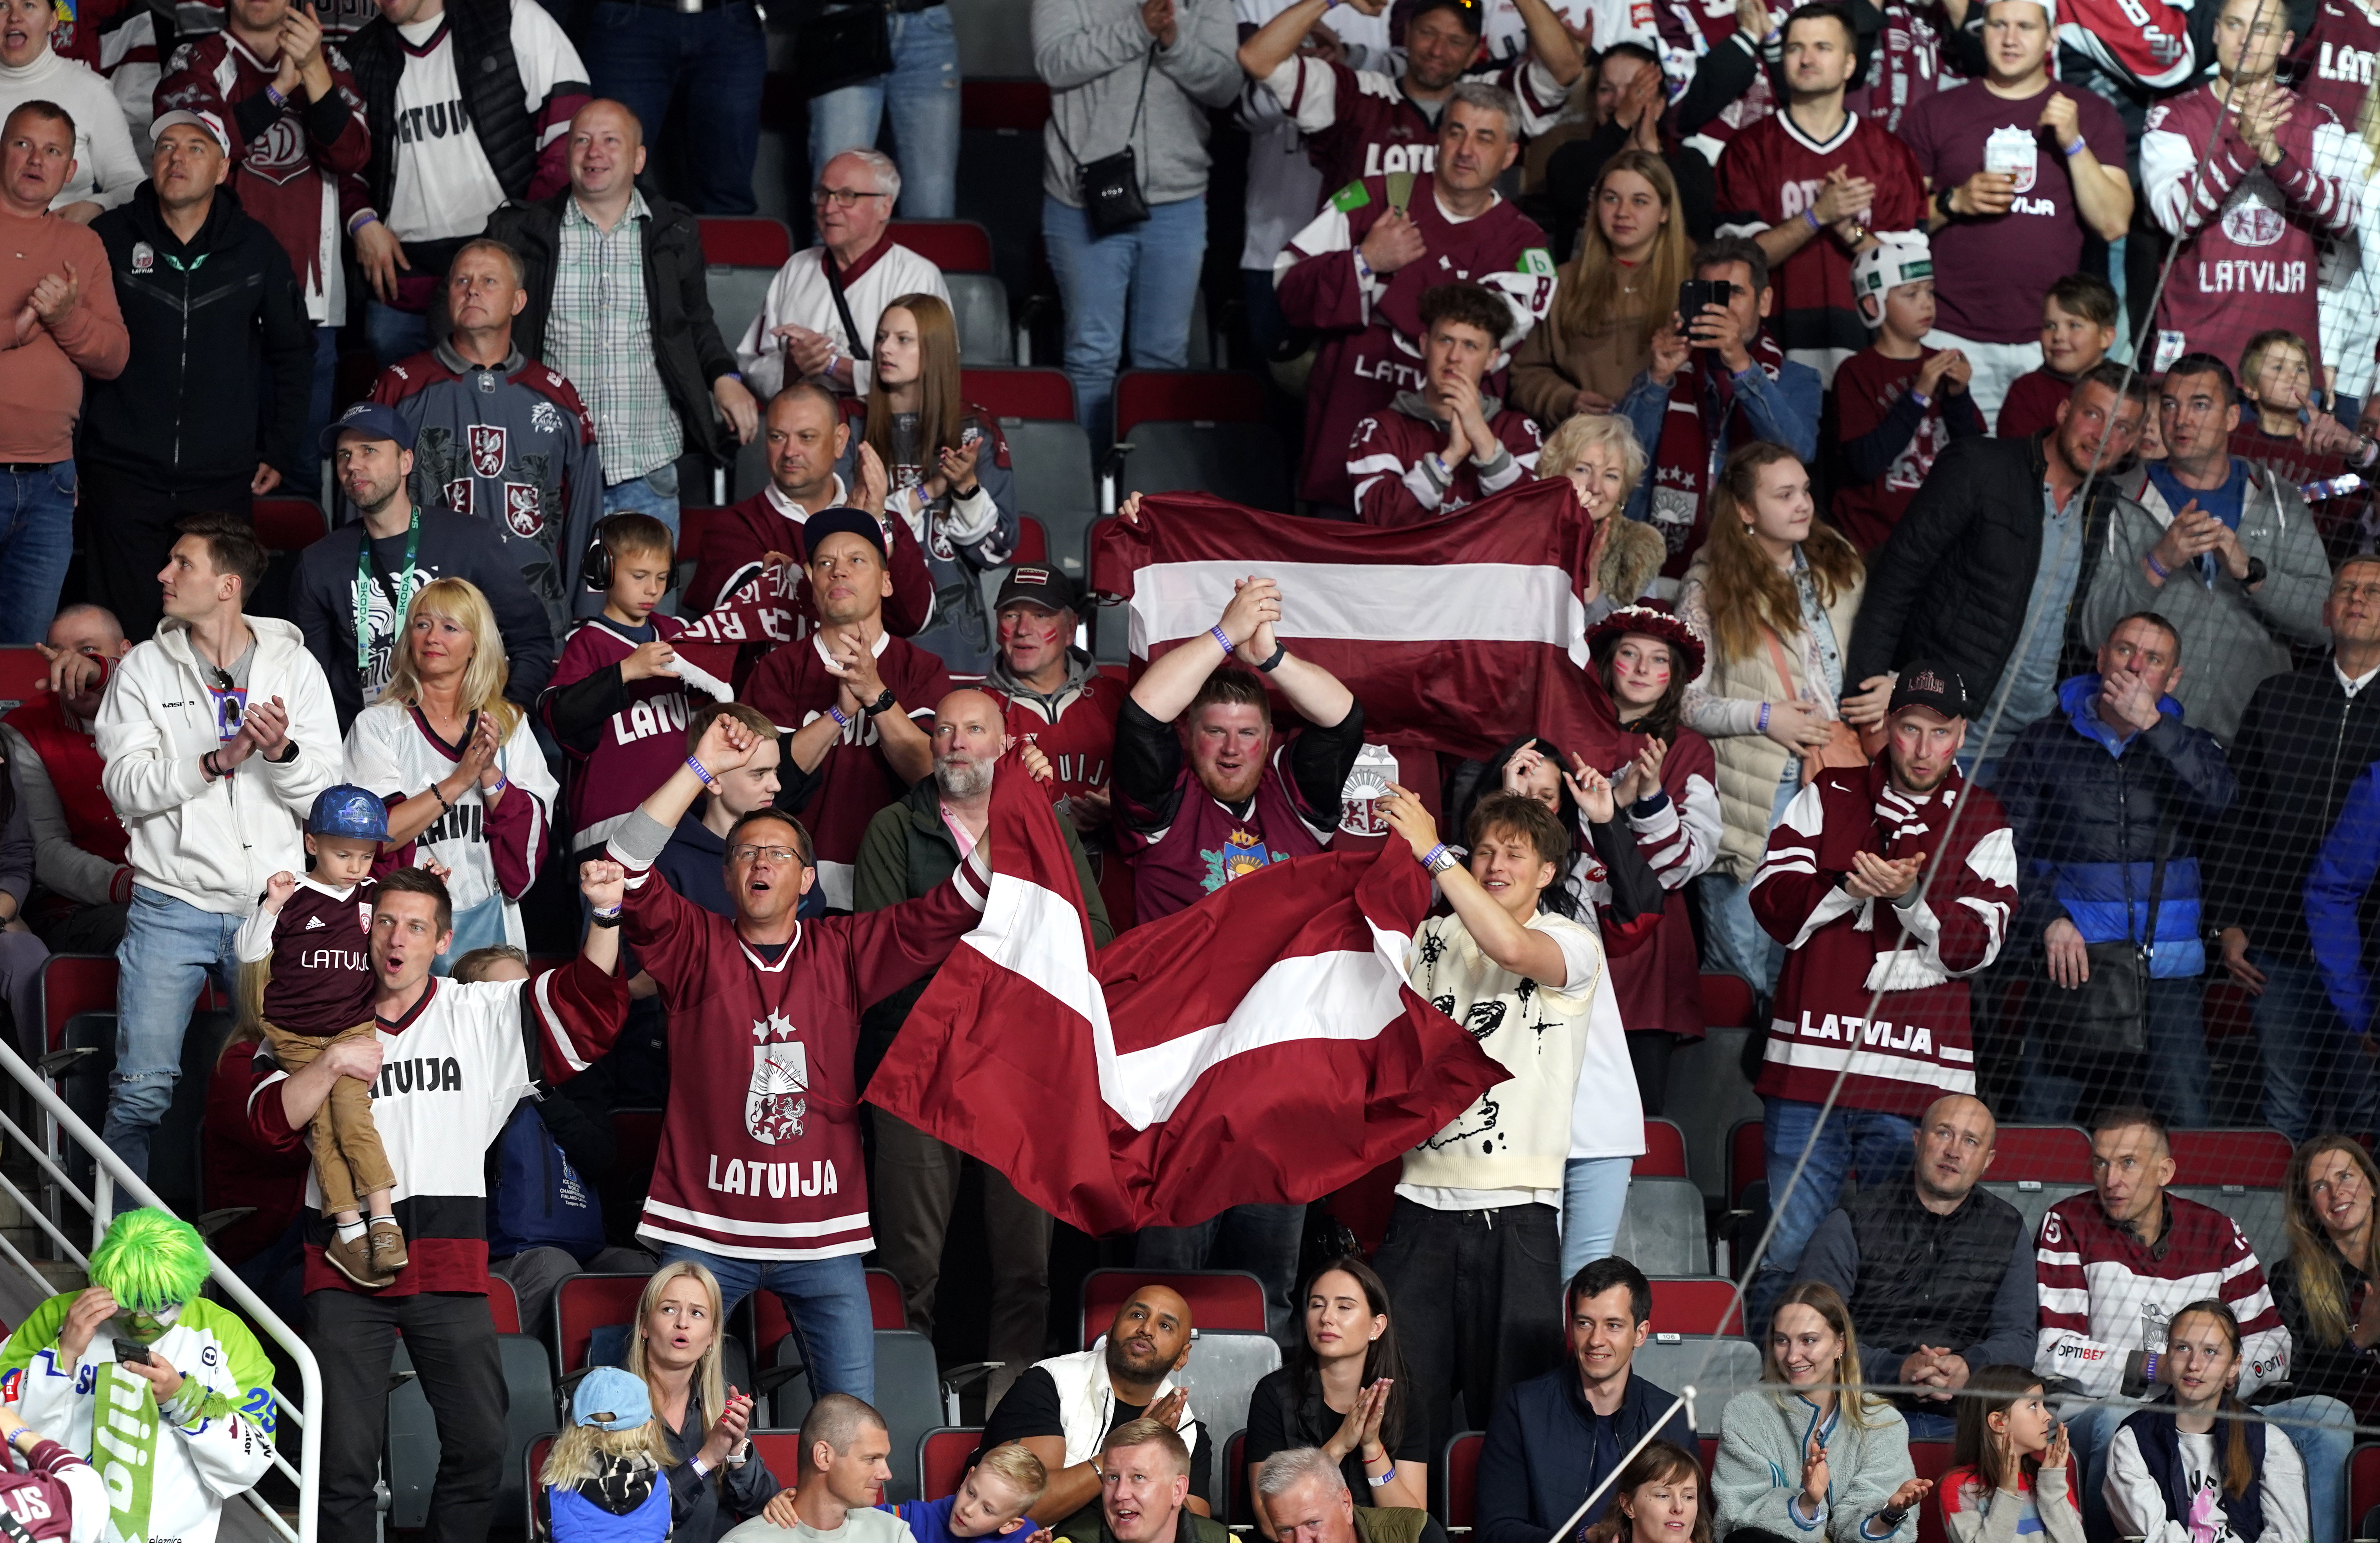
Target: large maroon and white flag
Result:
[[1461, 634], [1264, 1044]]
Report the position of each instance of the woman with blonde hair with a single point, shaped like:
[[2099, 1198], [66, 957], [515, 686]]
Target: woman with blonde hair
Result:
[[1812, 1449], [1599, 453], [1776, 591], [466, 785], [674, 1346], [1612, 297], [2328, 1287]]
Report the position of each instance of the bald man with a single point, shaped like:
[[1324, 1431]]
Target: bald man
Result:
[[621, 314], [912, 846], [1064, 1407], [1939, 1275]]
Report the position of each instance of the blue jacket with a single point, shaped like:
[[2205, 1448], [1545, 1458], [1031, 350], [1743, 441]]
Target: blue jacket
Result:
[[930, 1521], [2084, 805], [1538, 1460], [1782, 411], [2335, 887]]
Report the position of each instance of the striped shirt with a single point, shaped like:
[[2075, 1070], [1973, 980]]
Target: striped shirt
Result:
[[601, 339]]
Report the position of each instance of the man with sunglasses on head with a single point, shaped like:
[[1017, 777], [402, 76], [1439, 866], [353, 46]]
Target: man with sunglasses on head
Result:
[[818, 320]]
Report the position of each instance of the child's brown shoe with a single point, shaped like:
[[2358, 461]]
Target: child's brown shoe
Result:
[[388, 1254], [352, 1256]]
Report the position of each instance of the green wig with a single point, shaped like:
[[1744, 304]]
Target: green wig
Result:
[[149, 1259]]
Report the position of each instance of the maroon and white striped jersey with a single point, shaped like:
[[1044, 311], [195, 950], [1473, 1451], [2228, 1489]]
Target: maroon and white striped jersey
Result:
[[1388, 459], [1361, 123]]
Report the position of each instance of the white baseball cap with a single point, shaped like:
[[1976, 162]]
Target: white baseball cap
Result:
[[207, 122]]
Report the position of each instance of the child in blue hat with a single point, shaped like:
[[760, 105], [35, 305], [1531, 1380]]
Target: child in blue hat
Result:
[[603, 1477]]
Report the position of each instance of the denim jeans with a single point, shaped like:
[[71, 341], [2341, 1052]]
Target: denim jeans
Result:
[[1262, 1239], [654, 494], [1737, 944], [2324, 1447], [1880, 1146], [318, 414], [169, 948], [36, 537], [642, 55], [2170, 1076], [827, 1300], [395, 335], [2316, 1076], [922, 97], [1149, 273], [1595, 1193]]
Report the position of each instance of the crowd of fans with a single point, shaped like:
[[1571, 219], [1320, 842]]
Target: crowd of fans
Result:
[[1971, 403]]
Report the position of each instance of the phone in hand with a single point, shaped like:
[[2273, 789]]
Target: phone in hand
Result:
[[1694, 294], [132, 1352]]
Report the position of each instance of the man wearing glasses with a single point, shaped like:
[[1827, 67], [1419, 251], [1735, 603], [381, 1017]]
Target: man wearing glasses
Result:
[[819, 321], [761, 1176]]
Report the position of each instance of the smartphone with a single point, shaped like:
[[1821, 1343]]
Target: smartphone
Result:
[[132, 1352], [1400, 189], [1694, 294]]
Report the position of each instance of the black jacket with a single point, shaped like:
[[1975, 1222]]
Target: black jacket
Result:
[[1953, 582], [687, 345], [2302, 741], [2340, 1370], [207, 319], [1538, 1460]]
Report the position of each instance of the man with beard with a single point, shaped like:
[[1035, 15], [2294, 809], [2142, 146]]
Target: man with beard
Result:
[[1877, 877], [352, 587], [1063, 1408], [911, 848]]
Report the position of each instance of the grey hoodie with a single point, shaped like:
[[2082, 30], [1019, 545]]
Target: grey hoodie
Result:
[[1090, 54]]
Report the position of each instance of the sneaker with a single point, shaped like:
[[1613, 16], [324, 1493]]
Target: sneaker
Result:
[[353, 1258], [387, 1245]]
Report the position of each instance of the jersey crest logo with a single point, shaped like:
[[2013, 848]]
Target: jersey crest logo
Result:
[[773, 1102], [1242, 854], [488, 449], [458, 496], [543, 419], [524, 508], [2251, 221]]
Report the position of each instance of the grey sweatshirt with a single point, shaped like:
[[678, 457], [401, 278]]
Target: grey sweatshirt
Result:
[[1759, 1468], [1090, 53]]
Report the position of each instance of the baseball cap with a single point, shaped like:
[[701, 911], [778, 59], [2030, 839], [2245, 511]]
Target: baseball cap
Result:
[[1899, 257], [1033, 585], [372, 419], [209, 123], [857, 522], [611, 1399], [1929, 684], [348, 810]]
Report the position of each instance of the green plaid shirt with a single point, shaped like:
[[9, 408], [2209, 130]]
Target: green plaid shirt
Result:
[[601, 337]]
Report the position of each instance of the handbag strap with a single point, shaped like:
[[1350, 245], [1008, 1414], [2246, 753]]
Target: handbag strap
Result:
[[1147, 63], [860, 348], [2156, 881], [1777, 657]]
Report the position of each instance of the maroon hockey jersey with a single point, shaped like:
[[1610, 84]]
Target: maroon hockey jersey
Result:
[[1370, 350], [1395, 485], [2335, 61], [43, 1501], [1360, 123], [1077, 728], [322, 981], [1840, 951], [741, 535], [761, 1152]]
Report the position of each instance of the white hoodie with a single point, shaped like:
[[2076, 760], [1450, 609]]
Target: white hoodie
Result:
[[213, 845]]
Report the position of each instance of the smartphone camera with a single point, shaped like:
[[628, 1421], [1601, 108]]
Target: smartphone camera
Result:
[[1694, 294]]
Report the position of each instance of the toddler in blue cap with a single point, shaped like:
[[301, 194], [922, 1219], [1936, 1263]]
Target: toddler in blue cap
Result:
[[603, 1477]]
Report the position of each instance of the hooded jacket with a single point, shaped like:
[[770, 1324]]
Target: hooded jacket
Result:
[[212, 844], [207, 317], [2086, 809]]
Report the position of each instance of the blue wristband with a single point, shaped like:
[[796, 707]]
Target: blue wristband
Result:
[[2077, 147], [1219, 636], [842, 718], [709, 780]]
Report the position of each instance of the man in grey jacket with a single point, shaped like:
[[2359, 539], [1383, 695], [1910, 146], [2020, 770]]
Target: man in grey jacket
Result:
[[2222, 547], [1135, 75]]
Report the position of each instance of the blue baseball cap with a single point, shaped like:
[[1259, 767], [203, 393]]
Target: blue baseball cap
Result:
[[348, 810], [372, 420], [611, 1399]]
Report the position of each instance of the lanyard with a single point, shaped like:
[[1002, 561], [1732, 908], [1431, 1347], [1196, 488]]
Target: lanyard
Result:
[[401, 591]]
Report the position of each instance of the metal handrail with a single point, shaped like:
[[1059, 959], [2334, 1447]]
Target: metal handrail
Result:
[[110, 1174]]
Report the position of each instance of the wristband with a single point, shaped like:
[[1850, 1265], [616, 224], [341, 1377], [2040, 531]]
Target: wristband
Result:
[[503, 782], [842, 721], [2148, 1368], [2154, 566], [1219, 636], [833, 358], [1279, 652], [1363, 269], [1429, 858], [1920, 398], [1763, 718], [1380, 1480], [358, 221], [273, 95], [2077, 147], [606, 919], [442, 795], [1815, 223], [712, 782]]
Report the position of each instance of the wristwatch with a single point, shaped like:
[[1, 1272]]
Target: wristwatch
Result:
[[2256, 571], [880, 704]]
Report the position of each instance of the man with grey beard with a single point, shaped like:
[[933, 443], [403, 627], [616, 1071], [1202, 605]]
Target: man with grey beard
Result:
[[912, 846]]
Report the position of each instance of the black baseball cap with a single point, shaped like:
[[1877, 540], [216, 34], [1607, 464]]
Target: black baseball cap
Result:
[[857, 522], [1929, 684], [1032, 584]]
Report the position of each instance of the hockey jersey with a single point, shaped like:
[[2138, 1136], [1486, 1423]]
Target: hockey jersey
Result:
[[164, 1473], [2104, 1294], [1076, 727], [1393, 462], [1372, 326], [760, 1151], [2145, 41], [1841, 950], [393, 751], [2334, 60], [1772, 173], [1361, 124], [320, 942], [512, 445]]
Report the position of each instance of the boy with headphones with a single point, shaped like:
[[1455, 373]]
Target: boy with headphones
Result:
[[624, 682]]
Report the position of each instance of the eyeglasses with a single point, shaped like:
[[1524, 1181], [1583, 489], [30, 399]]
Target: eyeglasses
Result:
[[842, 198], [773, 854]]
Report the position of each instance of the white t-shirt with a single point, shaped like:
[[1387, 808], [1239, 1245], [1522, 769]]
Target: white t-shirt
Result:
[[445, 185], [865, 1526], [2137, 1506]]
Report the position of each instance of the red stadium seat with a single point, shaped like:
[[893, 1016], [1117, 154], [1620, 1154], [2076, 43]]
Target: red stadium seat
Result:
[[533, 1463], [1230, 1300], [2362, 1487], [73, 983], [288, 524], [586, 1302], [1709, 1455], [1032, 542], [1665, 1152], [942, 1459], [781, 1450], [2044, 1154], [504, 1305], [23, 673], [1695, 1305], [1747, 1160], [885, 1310], [1727, 1001], [1042, 394], [954, 245], [1237, 1501], [1362, 1206], [1932, 1460], [1186, 395], [745, 241], [1020, 105], [1463, 1478], [2253, 1158]]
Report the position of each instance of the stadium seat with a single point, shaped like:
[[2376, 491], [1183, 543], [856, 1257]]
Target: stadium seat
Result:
[[1728, 1000], [1230, 1301], [288, 524], [1221, 1376], [1000, 168], [769, 1326], [781, 1449], [535, 1523], [954, 245], [23, 672], [1695, 1305], [1239, 1508], [885, 1309], [1708, 1094], [2034, 1167], [1461, 1489], [1202, 431], [2247, 1158], [503, 1305], [2261, 1213], [1048, 455], [2362, 1487], [413, 1432], [1717, 1367], [1932, 1460], [583, 1303], [175, 1168], [741, 255], [1662, 1229], [1020, 393], [943, 1454], [1747, 1162], [909, 1394], [73, 983], [962, 250], [1665, 1151]]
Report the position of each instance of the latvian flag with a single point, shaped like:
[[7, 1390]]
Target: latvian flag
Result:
[[1263, 1045]]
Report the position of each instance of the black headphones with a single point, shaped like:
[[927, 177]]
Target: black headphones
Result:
[[595, 566]]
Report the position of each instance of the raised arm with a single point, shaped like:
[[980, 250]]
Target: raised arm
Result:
[[1526, 951], [1167, 687]]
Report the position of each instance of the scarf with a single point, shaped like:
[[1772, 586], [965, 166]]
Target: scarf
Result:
[[124, 1445], [1704, 419]]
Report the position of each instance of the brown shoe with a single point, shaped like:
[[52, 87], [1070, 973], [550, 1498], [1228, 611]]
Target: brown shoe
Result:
[[353, 1258], [387, 1245]]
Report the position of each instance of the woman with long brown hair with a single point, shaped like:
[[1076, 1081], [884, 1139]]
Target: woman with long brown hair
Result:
[[1612, 297], [2328, 1287], [1343, 1388], [1658, 1498], [947, 468], [1776, 591]]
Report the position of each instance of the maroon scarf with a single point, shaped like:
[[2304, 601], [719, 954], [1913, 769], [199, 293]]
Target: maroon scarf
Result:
[[1702, 399]]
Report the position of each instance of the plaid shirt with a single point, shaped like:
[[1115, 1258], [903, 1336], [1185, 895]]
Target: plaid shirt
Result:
[[600, 338]]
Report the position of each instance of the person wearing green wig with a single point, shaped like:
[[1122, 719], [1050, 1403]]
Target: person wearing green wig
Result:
[[190, 1418]]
